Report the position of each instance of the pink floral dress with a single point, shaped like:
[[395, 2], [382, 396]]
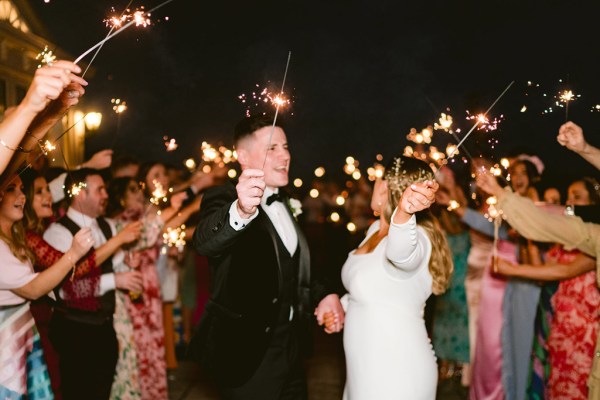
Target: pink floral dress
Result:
[[573, 337], [146, 312]]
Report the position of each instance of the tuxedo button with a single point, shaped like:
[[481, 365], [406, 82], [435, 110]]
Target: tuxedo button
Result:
[[215, 228], [275, 300], [267, 329]]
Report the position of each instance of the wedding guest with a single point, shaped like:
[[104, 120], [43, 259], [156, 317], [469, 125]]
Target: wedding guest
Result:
[[87, 370], [79, 292], [575, 323], [23, 372]]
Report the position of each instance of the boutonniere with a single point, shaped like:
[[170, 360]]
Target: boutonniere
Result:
[[295, 207]]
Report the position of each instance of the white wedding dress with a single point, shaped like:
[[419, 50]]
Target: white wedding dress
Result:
[[388, 352]]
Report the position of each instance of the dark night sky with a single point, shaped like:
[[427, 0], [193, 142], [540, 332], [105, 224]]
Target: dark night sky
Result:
[[362, 73]]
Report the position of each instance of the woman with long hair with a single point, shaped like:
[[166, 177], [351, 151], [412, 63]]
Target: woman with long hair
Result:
[[23, 370], [79, 292], [575, 320], [402, 261]]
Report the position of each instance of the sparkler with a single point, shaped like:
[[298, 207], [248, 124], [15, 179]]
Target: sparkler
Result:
[[111, 35], [264, 96], [484, 123], [477, 123], [46, 147], [170, 144], [159, 194], [120, 106], [566, 96], [277, 108], [76, 188], [175, 237], [46, 57]]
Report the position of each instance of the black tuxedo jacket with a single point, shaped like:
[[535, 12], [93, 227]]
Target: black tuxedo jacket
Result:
[[244, 306]]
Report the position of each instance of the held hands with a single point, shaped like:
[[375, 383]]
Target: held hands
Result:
[[250, 190], [48, 84], [330, 313], [130, 233], [131, 281], [570, 135], [82, 243]]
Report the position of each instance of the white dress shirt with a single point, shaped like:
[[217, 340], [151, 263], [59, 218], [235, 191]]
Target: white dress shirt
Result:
[[61, 239], [277, 213]]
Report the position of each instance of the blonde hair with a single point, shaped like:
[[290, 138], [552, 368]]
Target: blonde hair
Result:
[[400, 174], [17, 244]]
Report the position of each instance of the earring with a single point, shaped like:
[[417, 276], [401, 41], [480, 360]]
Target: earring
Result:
[[122, 202]]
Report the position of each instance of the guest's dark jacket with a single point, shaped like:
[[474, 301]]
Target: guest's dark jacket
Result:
[[244, 305]]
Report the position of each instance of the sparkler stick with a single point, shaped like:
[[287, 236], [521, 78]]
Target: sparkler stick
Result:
[[277, 108], [478, 121], [107, 38]]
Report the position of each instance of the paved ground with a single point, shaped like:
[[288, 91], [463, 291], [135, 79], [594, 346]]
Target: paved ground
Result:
[[325, 375]]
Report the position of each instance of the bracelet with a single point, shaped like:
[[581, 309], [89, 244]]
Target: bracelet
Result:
[[18, 148]]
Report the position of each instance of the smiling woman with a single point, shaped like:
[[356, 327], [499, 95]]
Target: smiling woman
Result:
[[18, 283]]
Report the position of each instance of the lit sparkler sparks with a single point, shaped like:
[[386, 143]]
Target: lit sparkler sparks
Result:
[[220, 156], [139, 17], [175, 237], [484, 123], [120, 106], [445, 123], [47, 147], [45, 57], [256, 98], [76, 188], [170, 144], [159, 194]]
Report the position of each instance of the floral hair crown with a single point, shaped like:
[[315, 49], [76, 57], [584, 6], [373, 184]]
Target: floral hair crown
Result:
[[398, 179]]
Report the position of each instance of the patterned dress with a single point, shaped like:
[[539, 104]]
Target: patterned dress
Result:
[[145, 314], [540, 354], [451, 327], [573, 337]]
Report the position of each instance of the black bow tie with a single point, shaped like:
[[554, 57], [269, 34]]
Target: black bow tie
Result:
[[274, 197]]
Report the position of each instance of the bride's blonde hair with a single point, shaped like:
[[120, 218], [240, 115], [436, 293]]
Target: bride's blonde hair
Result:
[[400, 173]]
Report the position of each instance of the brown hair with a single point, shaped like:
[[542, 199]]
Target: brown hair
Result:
[[399, 174]]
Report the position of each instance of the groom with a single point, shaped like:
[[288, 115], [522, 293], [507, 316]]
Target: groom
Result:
[[262, 295]]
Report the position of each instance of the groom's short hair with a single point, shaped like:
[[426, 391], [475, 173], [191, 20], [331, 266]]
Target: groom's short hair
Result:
[[249, 125]]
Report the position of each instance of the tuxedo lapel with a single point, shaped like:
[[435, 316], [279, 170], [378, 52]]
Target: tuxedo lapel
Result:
[[266, 222]]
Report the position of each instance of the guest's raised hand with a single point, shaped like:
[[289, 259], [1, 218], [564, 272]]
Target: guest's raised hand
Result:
[[177, 200], [571, 136], [82, 243], [442, 198], [488, 183], [250, 190], [100, 160], [503, 267], [130, 233], [48, 84]]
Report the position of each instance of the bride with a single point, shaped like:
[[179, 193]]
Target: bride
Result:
[[402, 260]]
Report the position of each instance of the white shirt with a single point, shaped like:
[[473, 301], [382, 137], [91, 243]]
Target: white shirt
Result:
[[61, 239], [277, 213]]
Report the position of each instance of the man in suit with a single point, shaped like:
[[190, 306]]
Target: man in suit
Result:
[[262, 294]]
